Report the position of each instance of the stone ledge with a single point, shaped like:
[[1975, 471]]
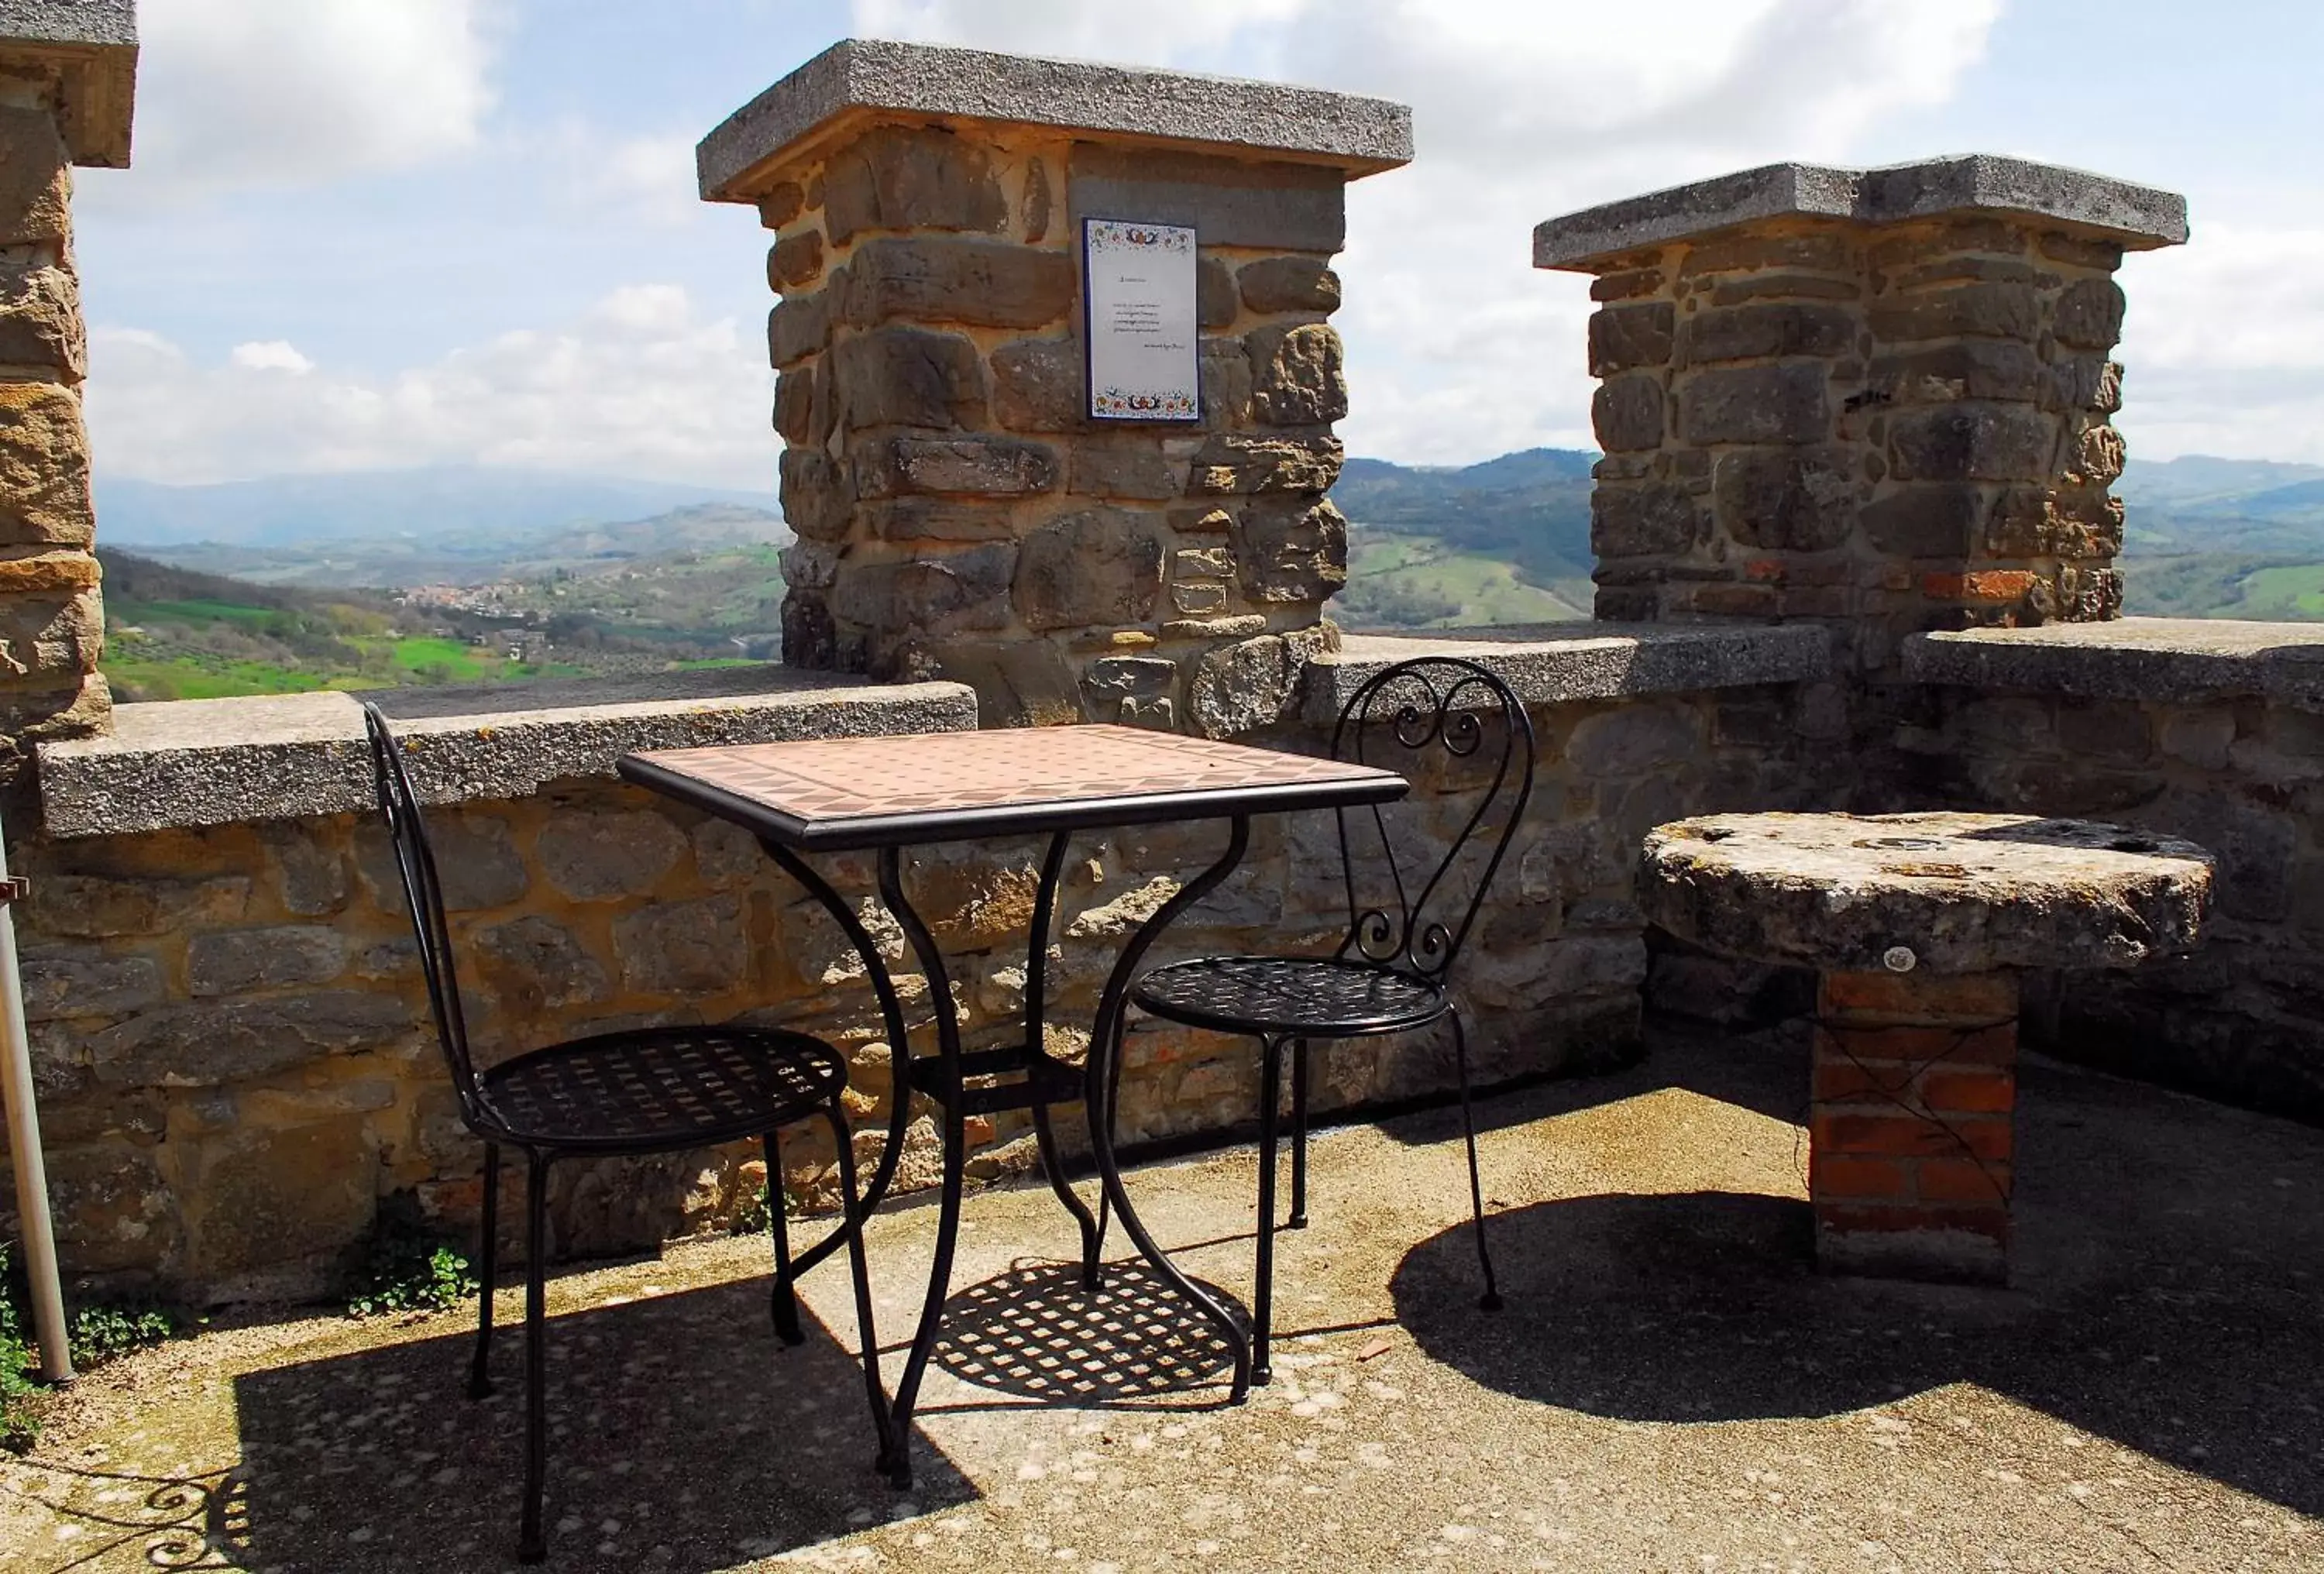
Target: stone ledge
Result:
[[859, 76], [189, 763], [92, 45], [2168, 660], [2138, 218], [1550, 663]]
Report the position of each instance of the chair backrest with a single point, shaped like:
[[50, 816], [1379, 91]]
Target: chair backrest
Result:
[[423, 896], [1448, 721]]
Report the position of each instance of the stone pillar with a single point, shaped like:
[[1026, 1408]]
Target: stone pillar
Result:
[[958, 513], [1876, 398], [1910, 1132], [67, 73]]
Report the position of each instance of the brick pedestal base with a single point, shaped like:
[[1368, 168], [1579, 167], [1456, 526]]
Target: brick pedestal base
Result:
[[1915, 1080]]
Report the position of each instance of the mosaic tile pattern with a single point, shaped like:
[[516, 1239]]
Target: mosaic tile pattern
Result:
[[824, 780]]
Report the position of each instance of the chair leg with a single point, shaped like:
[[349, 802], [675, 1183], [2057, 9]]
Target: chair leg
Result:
[[1262, 1321], [1491, 1298], [783, 1300], [480, 1375], [531, 1547], [865, 1330], [1298, 1219]]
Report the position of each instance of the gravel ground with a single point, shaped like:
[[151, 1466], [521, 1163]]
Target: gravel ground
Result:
[[1671, 1387]]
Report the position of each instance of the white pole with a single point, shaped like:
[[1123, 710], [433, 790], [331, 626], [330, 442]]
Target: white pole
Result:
[[25, 1145]]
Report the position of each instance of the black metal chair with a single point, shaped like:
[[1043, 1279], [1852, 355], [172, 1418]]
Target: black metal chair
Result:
[[1388, 975], [656, 1090]]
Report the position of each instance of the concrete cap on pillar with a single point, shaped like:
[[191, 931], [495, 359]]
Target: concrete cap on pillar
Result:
[[2134, 217], [91, 45], [862, 81]]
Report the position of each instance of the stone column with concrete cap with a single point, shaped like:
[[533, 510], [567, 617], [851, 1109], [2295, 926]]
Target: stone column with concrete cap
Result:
[[1918, 926], [1877, 398], [958, 513], [68, 71]]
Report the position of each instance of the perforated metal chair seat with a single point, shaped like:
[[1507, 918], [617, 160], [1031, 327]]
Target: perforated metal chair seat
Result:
[[663, 1086], [1315, 997]]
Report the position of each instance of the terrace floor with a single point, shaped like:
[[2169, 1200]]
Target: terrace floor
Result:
[[1671, 1386]]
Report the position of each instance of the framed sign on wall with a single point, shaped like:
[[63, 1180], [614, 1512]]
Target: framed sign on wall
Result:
[[1140, 323]]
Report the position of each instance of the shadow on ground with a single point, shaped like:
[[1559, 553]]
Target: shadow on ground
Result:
[[683, 1436], [2168, 1293]]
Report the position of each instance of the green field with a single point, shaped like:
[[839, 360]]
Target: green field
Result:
[[1415, 582]]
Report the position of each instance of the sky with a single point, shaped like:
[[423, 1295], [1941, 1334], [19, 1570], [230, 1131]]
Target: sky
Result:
[[374, 233]]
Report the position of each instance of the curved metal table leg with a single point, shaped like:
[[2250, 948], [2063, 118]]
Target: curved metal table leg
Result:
[[900, 1052], [1105, 1049], [1037, 972]]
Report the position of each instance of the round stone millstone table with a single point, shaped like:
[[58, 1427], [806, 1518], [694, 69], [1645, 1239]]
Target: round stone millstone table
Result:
[[1917, 926]]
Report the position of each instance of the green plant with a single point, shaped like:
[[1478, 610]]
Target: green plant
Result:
[[407, 1267], [99, 1333], [18, 1423], [752, 1217]]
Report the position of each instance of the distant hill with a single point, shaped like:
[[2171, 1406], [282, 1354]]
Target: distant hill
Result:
[[1526, 513], [451, 499]]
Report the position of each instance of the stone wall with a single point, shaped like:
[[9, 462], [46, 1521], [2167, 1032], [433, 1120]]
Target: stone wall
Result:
[[226, 1021], [51, 619], [958, 514]]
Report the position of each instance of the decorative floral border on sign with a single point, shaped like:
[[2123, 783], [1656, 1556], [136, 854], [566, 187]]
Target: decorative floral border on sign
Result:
[[1139, 404], [1106, 234]]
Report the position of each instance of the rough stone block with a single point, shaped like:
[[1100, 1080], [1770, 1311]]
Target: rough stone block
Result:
[[795, 406], [267, 1196], [1645, 521], [2088, 314], [795, 260], [929, 518], [1216, 305], [1933, 521], [1623, 337], [784, 201], [1230, 202], [912, 178], [798, 327], [1626, 413], [1632, 739], [1290, 552], [1755, 404], [1037, 385], [1239, 688], [94, 907], [981, 283], [1289, 284], [1827, 253], [1116, 687], [35, 177], [982, 466], [898, 376], [1132, 467], [2002, 369], [43, 467], [1231, 463], [213, 1043], [817, 493], [1227, 384], [1969, 441], [61, 984], [476, 861], [2084, 383], [1800, 500], [233, 961], [595, 855], [1979, 310], [1297, 379], [51, 636], [959, 591], [40, 321], [533, 962], [684, 948], [1100, 567], [1766, 330]]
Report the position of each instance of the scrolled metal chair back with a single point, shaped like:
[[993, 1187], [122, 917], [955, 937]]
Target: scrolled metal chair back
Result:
[[1409, 910], [423, 896]]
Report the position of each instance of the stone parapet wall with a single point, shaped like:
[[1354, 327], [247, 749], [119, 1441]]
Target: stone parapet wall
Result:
[[226, 1020]]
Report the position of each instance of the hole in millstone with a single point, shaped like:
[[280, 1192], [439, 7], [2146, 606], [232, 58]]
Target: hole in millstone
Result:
[[2130, 844], [1905, 843], [1717, 833]]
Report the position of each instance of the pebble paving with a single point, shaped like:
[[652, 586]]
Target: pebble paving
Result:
[[1671, 1387]]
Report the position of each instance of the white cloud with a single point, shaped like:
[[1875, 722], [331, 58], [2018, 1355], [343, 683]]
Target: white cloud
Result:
[[638, 385], [2224, 346], [243, 93], [1522, 109]]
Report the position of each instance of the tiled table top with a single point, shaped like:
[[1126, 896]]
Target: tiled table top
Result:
[[863, 792]]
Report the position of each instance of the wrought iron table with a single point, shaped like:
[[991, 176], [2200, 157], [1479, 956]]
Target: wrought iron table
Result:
[[885, 794]]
